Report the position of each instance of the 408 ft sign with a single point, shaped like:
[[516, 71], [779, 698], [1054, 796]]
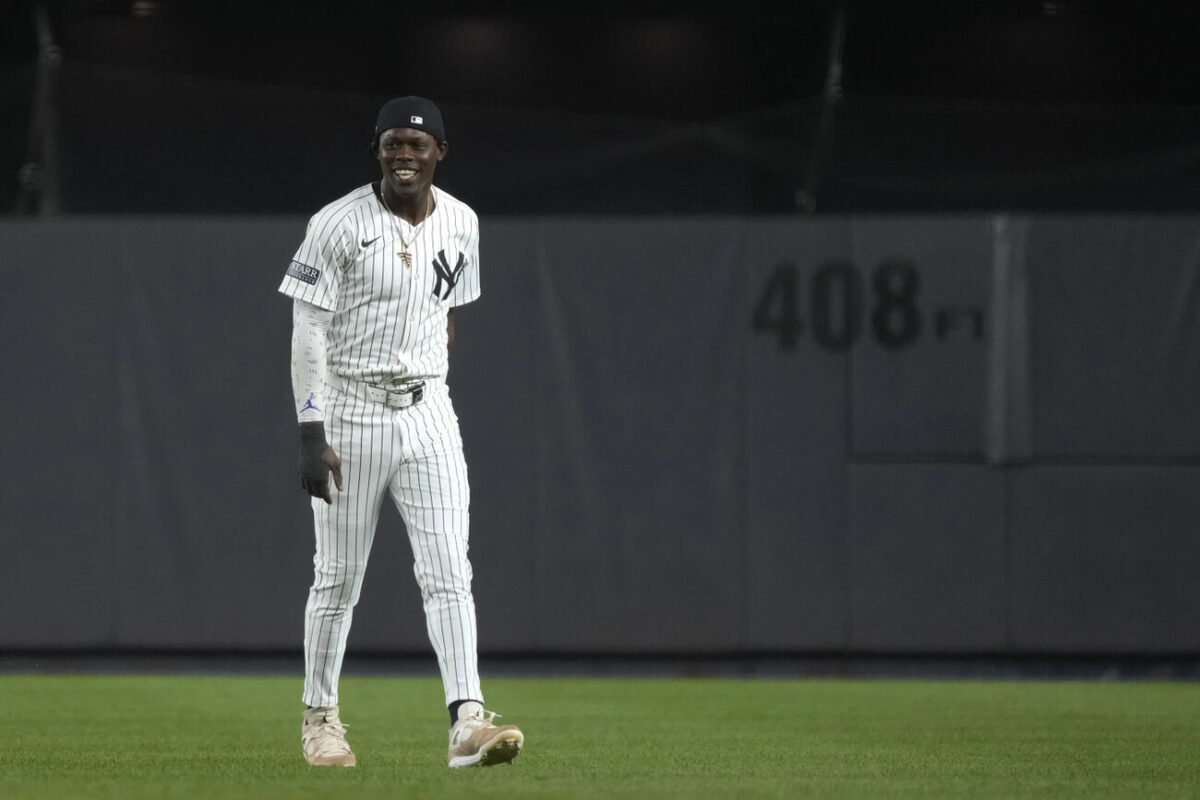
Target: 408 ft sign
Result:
[[840, 307]]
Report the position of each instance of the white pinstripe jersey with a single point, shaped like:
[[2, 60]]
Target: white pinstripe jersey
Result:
[[389, 320]]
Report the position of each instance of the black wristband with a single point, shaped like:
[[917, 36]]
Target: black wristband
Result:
[[312, 434], [314, 472]]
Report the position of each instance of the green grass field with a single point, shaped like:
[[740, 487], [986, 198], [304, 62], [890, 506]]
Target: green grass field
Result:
[[208, 737]]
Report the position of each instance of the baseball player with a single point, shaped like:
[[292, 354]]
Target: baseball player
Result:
[[373, 285]]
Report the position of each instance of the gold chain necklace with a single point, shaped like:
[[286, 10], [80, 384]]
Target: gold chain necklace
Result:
[[403, 252]]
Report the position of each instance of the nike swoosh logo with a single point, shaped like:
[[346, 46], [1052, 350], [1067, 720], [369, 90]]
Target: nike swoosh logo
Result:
[[368, 242]]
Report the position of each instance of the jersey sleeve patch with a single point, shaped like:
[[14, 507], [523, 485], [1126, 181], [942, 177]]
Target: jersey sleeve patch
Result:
[[303, 272]]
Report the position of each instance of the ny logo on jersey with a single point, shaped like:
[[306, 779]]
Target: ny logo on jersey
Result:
[[444, 273]]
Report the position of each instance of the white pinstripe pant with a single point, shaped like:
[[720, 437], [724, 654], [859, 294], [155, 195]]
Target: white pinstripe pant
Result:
[[415, 455]]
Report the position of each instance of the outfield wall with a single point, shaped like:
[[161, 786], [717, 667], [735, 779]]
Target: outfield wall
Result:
[[870, 434]]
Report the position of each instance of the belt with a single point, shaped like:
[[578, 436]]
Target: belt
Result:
[[398, 393]]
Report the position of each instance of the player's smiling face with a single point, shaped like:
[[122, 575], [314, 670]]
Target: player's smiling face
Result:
[[408, 159]]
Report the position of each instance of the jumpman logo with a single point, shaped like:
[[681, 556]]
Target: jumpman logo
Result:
[[309, 403]]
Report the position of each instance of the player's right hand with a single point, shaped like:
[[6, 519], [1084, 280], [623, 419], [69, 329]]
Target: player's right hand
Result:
[[317, 460]]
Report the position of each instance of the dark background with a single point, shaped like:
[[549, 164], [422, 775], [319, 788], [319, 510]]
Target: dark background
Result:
[[651, 59], [646, 108]]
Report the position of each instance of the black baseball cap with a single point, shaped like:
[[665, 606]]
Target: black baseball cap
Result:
[[410, 112]]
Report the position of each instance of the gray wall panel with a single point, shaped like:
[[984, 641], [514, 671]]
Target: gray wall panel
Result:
[[62, 463], [214, 538], [649, 471], [925, 397], [640, 470], [1116, 321], [795, 576], [498, 393], [1105, 558], [928, 558]]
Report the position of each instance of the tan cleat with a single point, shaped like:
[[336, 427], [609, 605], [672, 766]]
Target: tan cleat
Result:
[[477, 742], [323, 737]]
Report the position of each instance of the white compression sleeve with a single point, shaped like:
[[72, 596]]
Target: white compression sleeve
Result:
[[309, 325]]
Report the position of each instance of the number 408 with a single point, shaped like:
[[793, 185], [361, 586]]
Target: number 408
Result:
[[836, 305]]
